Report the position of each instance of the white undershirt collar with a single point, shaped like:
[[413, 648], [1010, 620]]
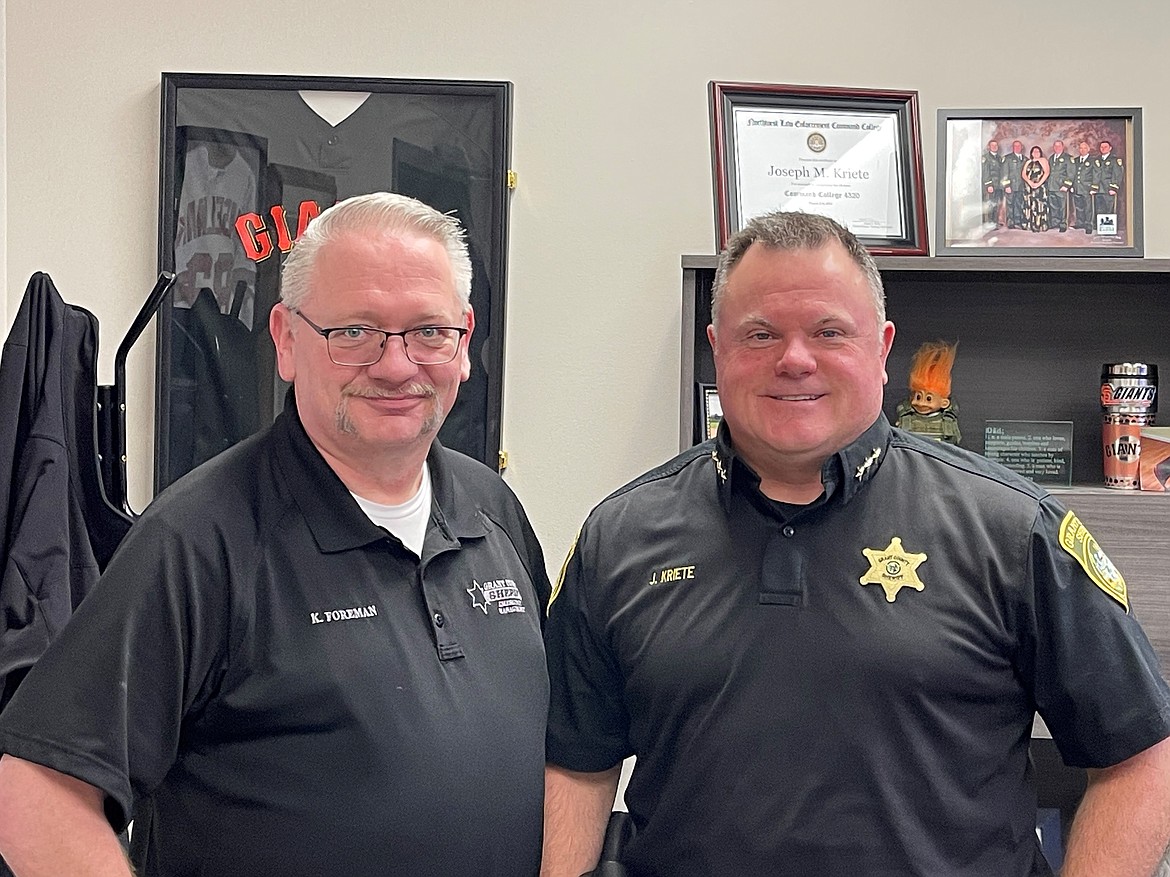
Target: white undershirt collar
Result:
[[408, 520]]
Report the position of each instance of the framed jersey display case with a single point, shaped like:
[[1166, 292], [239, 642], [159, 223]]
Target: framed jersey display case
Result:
[[246, 162]]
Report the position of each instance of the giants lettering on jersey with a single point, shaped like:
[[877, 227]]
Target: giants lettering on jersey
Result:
[[256, 237]]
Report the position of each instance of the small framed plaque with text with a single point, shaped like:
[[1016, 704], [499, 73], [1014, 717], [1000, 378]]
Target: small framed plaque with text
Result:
[[853, 155], [1037, 449], [710, 410]]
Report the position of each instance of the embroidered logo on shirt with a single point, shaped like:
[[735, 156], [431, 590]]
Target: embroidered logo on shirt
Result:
[[893, 568], [500, 593], [671, 574], [1079, 542], [331, 615]]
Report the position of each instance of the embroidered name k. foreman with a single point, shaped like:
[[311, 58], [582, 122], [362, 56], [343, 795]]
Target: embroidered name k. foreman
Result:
[[330, 615]]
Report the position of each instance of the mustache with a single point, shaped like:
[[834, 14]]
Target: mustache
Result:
[[414, 388], [346, 425]]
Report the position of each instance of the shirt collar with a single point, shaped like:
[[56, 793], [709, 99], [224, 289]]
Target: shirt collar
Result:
[[455, 509], [843, 475], [330, 511]]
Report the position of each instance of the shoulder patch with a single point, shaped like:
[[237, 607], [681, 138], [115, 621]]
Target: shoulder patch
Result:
[[1079, 542], [560, 582]]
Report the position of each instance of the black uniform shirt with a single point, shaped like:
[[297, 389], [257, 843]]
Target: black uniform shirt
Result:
[[280, 687], [848, 689]]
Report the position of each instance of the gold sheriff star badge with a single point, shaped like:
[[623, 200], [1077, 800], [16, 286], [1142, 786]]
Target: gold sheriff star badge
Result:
[[893, 568]]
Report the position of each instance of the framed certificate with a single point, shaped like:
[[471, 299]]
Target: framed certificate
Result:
[[853, 155]]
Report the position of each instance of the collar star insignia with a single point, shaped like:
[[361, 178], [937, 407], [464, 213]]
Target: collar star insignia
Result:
[[893, 568], [867, 464], [719, 465]]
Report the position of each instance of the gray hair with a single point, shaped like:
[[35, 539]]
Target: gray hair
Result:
[[796, 231], [378, 212]]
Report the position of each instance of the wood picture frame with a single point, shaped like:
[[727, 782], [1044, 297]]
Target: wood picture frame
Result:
[[852, 154]]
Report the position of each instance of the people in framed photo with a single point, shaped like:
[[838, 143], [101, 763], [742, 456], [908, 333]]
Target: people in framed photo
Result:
[[1040, 182]]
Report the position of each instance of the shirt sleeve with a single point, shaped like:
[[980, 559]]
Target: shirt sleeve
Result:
[[107, 701], [1093, 674], [527, 545], [588, 724]]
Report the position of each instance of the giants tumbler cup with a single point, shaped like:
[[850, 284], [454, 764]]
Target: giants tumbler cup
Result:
[[1129, 401]]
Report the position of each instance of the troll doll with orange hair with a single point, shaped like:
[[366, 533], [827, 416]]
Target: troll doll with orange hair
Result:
[[929, 411]]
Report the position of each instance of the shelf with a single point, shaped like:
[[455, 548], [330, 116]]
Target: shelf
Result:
[[1096, 490]]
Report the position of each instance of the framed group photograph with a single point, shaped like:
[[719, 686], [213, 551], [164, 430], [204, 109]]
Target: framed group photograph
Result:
[[247, 162], [1040, 182], [854, 155]]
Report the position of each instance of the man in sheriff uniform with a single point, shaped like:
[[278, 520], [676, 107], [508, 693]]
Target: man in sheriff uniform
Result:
[[825, 639], [1082, 188], [1058, 185], [1013, 184], [1108, 175], [992, 175]]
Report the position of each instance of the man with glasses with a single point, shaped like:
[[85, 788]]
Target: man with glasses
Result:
[[320, 652]]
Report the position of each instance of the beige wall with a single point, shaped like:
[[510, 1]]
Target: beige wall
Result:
[[610, 143]]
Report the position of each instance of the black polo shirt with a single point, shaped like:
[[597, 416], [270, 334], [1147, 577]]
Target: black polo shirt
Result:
[[270, 684], [844, 688]]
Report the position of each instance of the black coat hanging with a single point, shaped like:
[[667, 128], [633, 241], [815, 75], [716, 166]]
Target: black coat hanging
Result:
[[60, 519]]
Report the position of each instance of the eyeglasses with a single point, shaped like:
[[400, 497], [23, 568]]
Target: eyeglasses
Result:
[[362, 345]]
